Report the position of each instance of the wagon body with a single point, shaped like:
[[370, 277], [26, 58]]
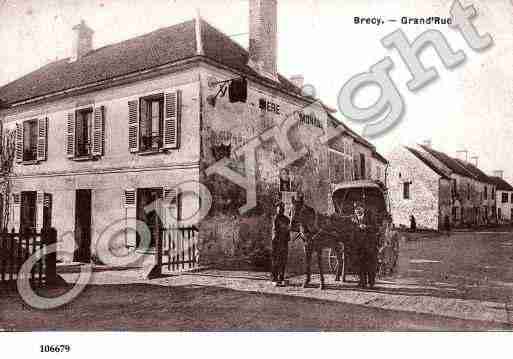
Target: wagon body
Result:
[[369, 229]]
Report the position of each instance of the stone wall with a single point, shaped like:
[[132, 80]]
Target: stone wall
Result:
[[424, 190]]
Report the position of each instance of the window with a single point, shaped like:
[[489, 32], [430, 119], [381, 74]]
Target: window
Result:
[[150, 126], [505, 197], [512, 200], [486, 192], [154, 122], [30, 140], [468, 191], [493, 194], [406, 190], [285, 181], [83, 132], [362, 166]]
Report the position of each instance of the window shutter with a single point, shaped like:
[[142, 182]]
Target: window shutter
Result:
[[98, 130], [42, 138], [16, 213], [170, 218], [19, 143], [133, 126], [39, 210], [130, 204], [70, 135], [172, 117]]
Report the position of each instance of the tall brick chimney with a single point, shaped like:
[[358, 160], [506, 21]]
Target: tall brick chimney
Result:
[[82, 41], [263, 37], [498, 173]]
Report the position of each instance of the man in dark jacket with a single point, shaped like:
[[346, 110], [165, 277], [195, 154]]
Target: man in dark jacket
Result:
[[280, 244]]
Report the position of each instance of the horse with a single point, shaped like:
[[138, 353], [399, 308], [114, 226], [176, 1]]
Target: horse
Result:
[[319, 232]]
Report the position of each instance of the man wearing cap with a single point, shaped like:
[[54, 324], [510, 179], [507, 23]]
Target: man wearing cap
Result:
[[280, 244]]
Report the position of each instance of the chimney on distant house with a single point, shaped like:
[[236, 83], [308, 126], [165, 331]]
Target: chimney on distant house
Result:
[[298, 81], [263, 37], [462, 155], [82, 41], [427, 143], [498, 173], [474, 160]]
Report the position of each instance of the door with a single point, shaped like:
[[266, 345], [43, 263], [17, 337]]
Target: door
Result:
[[28, 211], [148, 202], [83, 225]]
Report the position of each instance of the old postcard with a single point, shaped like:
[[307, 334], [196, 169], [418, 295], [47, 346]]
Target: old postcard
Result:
[[255, 166]]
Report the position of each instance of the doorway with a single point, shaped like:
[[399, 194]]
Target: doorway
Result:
[[147, 212], [28, 211], [83, 225]]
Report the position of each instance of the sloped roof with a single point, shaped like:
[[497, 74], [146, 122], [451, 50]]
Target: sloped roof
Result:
[[480, 175], [426, 161], [501, 184], [157, 48], [450, 162]]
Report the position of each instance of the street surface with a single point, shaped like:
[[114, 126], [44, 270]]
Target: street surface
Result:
[[461, 282]]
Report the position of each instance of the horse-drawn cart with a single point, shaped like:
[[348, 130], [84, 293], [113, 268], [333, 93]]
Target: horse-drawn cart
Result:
[[365, 199], [358, 234]]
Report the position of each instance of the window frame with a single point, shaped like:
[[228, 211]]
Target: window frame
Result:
[[35, 125], [79, 111], [407, 190], [143, 105]]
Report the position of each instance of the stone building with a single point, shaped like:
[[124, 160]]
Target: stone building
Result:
[[107, 132], [464, 196], [417, 188], [504, 198]]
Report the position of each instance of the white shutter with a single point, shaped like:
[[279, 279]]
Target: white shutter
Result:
[[39, 210], [70, 135], [172, 118], [16, 213], [170, 218], [19, 143], [42, 138], [130, 204], [98, 131], [133, 126]]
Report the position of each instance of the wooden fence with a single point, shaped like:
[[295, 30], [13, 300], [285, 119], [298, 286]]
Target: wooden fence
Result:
[[16, 248], [177, 249]]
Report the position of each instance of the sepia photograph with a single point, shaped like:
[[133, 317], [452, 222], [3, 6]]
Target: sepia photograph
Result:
[[255, 166]]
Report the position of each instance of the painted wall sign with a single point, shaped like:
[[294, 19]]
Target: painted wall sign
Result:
[[269, 106]]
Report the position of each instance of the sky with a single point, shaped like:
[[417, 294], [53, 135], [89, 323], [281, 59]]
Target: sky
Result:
[[468, 107]]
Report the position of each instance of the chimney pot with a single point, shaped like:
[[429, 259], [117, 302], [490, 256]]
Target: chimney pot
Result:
[[474, 160], [263, 36], [298, 81], [462, 155], [498, 173], [82, 40]]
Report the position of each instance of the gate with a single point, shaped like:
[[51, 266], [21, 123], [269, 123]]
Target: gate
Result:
[[16, 248], [177, 249]]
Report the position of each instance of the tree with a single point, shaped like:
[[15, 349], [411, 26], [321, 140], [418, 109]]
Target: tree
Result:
[[7, 154]]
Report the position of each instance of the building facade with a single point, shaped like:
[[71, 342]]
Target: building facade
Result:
[[104, 135], [456, 192], [504, 198]]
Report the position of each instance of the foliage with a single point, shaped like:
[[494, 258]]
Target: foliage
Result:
[[7, 154]]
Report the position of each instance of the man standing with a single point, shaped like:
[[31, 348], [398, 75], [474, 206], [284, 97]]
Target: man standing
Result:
[[280, 244]]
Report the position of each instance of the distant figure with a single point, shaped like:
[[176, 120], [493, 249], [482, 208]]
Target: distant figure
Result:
[[280, 244], [447, 225], [413, 223]]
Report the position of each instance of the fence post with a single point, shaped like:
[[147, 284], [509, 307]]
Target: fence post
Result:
[[49, 237]]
